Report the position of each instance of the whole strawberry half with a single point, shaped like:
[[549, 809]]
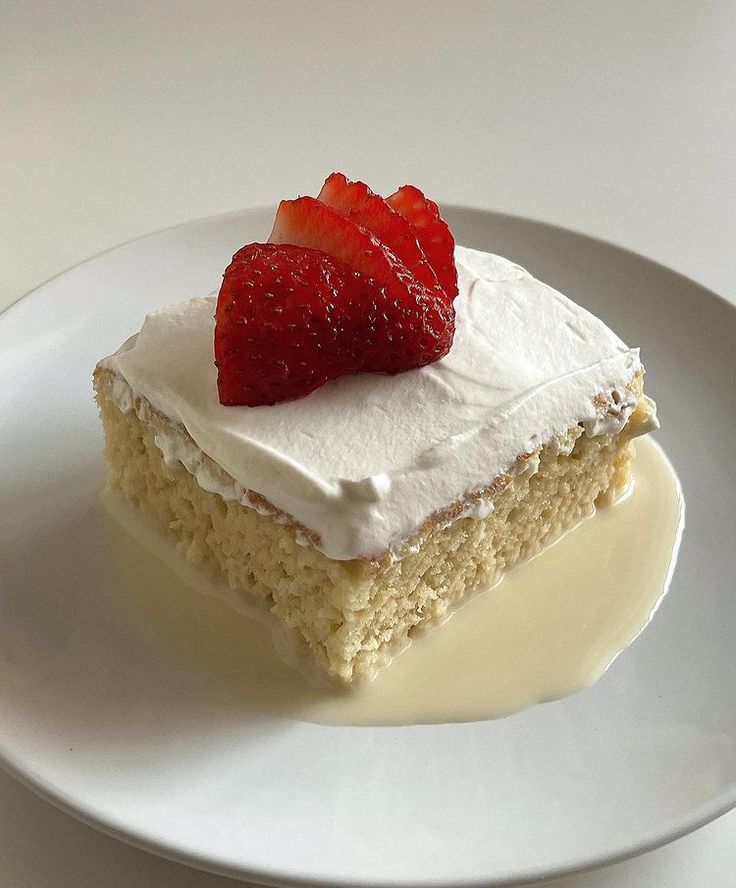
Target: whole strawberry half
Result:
[[290, 318]]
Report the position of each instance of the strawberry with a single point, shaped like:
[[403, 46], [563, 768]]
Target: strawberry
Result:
[[291, 318], [307, 222], [431, 232], [357, 202]]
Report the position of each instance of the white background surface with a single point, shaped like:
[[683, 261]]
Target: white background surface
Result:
[[117, 119]]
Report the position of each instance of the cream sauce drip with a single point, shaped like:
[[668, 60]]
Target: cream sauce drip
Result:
[[550, 628]]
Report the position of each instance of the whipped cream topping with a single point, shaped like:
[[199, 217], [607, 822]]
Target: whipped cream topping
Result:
[[366, 459]]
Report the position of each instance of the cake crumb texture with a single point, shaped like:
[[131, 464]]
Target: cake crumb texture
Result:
[[355, 615]]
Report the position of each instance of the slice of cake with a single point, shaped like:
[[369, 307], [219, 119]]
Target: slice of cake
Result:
[[361, 506]]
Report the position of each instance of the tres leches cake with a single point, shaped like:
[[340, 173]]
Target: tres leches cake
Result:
[[369, 424]]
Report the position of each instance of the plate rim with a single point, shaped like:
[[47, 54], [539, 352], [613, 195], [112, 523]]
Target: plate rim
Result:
[[703, 815], [444, 205], [700, 816]]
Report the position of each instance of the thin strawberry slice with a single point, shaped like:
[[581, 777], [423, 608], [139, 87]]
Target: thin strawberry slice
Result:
[[431, 232], [307, 222], [357, 202], [289, 319]]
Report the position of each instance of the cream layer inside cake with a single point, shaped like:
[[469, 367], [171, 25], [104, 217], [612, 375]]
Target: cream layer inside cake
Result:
[[360, 467]]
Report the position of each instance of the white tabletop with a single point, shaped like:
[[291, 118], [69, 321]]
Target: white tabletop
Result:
[[617, 119]]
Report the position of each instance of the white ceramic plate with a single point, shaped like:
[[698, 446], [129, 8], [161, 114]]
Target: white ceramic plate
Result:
[[103, 722]]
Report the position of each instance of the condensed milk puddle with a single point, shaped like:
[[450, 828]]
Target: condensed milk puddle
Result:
[[550, 628]]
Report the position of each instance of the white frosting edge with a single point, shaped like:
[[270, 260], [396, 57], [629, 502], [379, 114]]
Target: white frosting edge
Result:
[[375, 515]]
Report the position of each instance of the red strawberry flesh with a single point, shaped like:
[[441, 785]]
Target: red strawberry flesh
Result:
[[431, 232], [357, 202], [307, 222], [290, 318]]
